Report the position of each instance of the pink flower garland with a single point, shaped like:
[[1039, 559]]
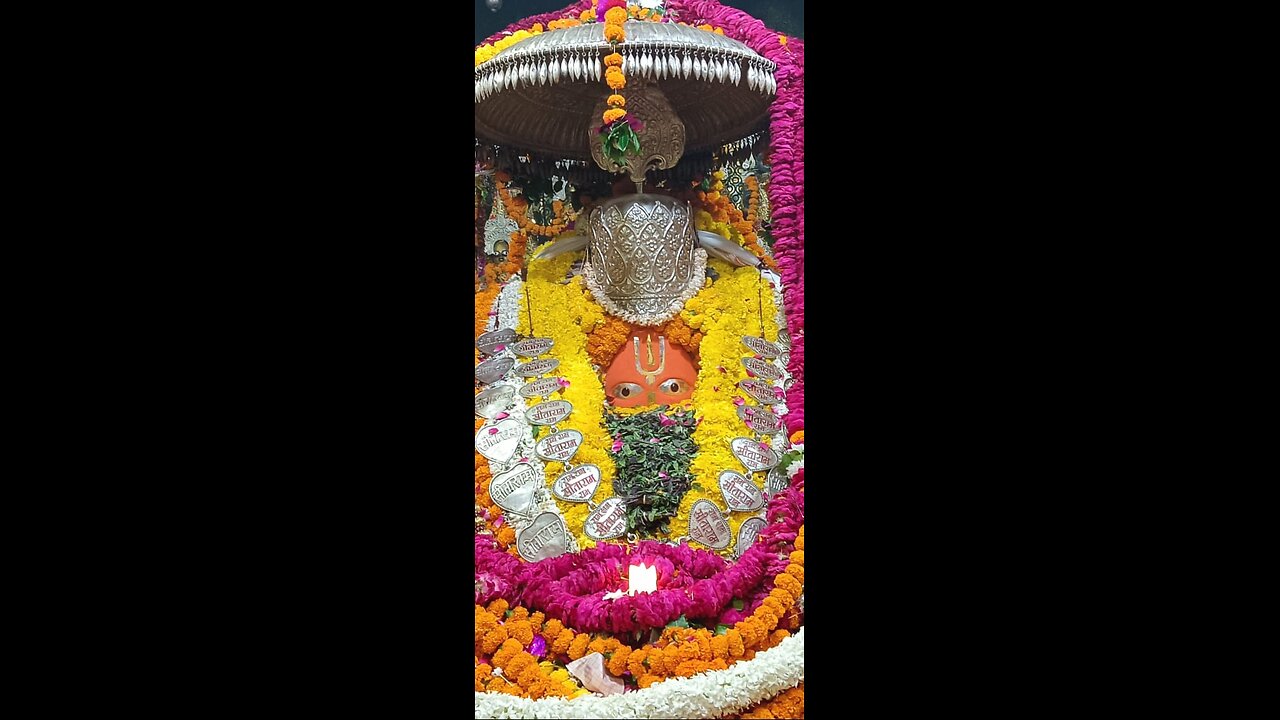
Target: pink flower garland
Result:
[[695, 583]]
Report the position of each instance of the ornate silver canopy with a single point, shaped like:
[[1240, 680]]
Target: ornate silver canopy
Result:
[[542, 93]]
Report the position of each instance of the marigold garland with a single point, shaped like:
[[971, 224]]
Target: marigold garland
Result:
[[678, 652]]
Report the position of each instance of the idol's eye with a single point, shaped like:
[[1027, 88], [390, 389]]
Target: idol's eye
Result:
[[626, 390], [674, 386]]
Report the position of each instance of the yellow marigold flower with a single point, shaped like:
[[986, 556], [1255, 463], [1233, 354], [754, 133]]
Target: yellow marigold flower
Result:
[[586, 15], [782, 39], [800, 542], [617, 101], [580, 693], [706, 27], [578, 647], [797, 557], [615, 16], [536, 29], [719, 31], [613, 115], [613, 60]]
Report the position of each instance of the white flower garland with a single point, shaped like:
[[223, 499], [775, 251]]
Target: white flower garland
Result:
[[711, 694]]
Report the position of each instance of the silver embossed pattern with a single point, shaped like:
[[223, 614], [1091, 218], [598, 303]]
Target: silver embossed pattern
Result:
[[536, 368], [762, 347], [762, 391], [607, 521], [740, 494], [755, 455], [494, 368], [642, 263], [533, 347], [546, 537], [548, 413], [494, 400], [489, 342]]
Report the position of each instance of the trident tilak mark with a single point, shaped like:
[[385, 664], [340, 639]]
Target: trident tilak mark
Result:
[[650, 375]]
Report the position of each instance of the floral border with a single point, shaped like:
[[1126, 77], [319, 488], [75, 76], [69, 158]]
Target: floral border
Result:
[[708, 695]]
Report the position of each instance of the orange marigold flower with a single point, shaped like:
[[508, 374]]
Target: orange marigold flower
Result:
[[617, 101], [498, 607], [517, 665], [719, 647], [586, 15], [618, 663], [597, 645], [774, 606], [551, 630], [635, 662], [655, 661], [797, 557], [520, 630], [562, 643], [689, 668], [736, 644], [615, 79], [613, 33], [671, 659], [800, 543], [797, 437], [530, 676], [536, 620], [537, 28], [647, 680], [613, 115], [615, 16], [506, 535], [613, 60], [578, 647], [519, 613], [796, 572], [493, 640], [707, 27], [784, 599]]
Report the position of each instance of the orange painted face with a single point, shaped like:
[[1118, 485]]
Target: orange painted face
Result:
[[650, 371]]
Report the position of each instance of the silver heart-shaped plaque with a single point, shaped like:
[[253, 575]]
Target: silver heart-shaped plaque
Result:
[[535, 368], [549, 413], [561, 446], [501, 445], [489, 342], [494, 368], [762, 368], [760, 346], [756, 456], [747, 533], [609, 520], [708, 526], [533, 347], [577, 485], [761, 391], [513, 490], [540, 388], [777, 481], [740, 494], [546, 537], [494, 400]]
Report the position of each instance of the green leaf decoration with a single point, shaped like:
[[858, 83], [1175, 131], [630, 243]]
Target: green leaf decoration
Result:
[[737, 604], [680, 622], [722, 629]]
